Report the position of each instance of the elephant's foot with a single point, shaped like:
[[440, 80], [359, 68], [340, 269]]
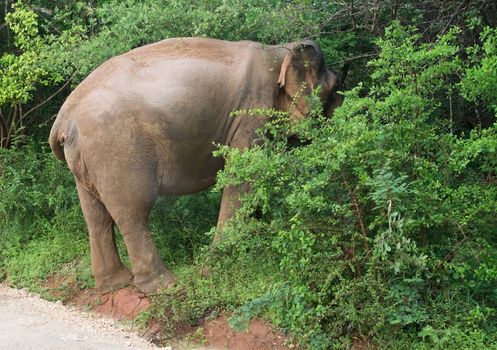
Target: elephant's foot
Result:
[[150, 283], [118, 280]]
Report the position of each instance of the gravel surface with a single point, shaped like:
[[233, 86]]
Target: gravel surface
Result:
[[29, 322]]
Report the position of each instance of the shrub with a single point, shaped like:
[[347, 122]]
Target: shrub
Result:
[[41, 226], [382, 221]]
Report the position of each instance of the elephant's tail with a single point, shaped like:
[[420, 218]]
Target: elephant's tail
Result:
[[58, 136]]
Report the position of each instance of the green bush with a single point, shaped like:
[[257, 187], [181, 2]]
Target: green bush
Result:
[[41, 226], [383, 221]]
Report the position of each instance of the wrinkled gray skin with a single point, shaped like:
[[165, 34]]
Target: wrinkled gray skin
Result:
[[145, 124]]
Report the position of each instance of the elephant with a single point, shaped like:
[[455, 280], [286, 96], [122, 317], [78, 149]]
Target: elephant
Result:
[[145, 124]]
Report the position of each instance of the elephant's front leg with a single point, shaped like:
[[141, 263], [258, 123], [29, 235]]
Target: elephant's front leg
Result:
[[109, 272], [243, 139], [230, 203]]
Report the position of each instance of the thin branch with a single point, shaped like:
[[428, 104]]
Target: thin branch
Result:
[[456, 12], [450, 112], [42, 10], [357, 208], [336, 15], [2, 117], [351, 14], [10, 129], [350, 59], [45, 13], [51, 96], [375, 20], [451, 253], [395, 9], [3, 128], [21, 115], [7, 28]]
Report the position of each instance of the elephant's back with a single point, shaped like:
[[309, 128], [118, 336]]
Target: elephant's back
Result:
[[227, 52], [169, 64], [178, 86]]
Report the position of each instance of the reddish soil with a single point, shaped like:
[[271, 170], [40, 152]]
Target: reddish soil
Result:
[[127, 303], [259, 336]]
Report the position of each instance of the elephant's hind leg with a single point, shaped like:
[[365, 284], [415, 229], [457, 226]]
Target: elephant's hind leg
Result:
[[148, 268], [131, 214], [109, 272]]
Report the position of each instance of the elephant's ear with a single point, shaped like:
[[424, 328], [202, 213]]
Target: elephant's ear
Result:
[[300, 72]]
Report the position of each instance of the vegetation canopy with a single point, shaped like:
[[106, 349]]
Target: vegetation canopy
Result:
[[378, 224]]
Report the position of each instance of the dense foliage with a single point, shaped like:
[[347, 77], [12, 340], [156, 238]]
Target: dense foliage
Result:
[[383, 222], [378, 225]]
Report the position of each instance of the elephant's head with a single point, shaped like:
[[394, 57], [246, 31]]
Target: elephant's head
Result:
[[303, 69]]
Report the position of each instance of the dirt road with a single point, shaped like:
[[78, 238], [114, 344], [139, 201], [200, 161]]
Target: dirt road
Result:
[[29, 322]]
